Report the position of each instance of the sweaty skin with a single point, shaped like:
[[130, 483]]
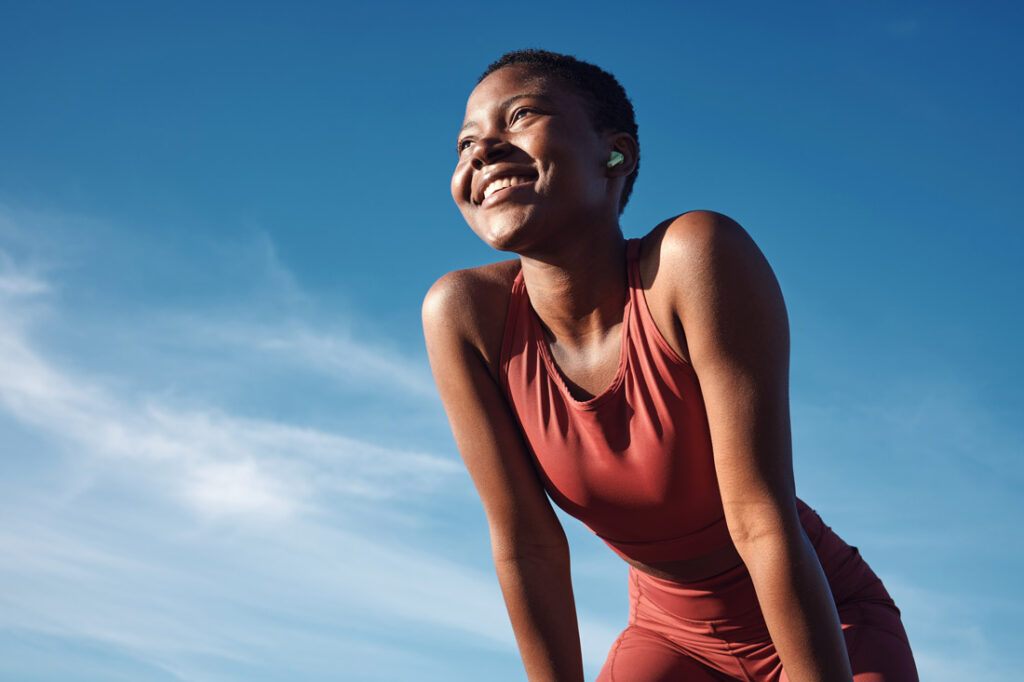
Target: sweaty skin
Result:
[[703, 275]]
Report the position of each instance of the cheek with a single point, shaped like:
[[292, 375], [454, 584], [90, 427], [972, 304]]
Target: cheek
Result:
[[455, 188], [460, 184], [460, 188]]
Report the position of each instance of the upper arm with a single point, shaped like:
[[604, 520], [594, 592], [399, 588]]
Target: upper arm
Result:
[[731, 308], [463, 335]]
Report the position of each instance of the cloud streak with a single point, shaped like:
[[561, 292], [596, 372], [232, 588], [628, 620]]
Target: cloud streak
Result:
[[216, 463], [340, 355], [130, 558], [154, 516]]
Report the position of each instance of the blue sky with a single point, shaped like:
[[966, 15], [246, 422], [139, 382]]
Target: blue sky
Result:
[[221, 454]]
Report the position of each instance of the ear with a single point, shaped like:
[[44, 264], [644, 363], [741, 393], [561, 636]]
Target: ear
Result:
[[624, 144]]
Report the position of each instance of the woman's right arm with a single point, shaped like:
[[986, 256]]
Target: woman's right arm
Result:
[[463, 319]]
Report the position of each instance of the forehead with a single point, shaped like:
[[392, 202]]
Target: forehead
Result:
[[517, 80]]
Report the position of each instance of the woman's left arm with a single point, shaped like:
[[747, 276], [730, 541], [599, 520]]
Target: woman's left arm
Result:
[[737, 336]]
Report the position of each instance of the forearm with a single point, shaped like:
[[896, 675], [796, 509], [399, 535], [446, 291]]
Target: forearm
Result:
[[538, 595], [798, 607]]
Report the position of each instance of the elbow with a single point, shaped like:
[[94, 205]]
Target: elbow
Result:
[[757, 533], [754, 532], [508, 550]]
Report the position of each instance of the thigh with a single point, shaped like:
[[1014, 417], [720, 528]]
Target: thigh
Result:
[[877, 643], [640, 655]]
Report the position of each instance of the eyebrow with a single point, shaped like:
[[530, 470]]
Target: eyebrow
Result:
[[506, 104]]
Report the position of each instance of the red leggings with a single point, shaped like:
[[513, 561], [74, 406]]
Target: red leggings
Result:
[[714, 630]]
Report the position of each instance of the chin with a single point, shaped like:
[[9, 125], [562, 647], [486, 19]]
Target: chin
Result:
[[505, 233], [502, 240]]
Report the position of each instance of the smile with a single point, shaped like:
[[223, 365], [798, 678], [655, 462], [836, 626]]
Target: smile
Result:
[[504, 183]]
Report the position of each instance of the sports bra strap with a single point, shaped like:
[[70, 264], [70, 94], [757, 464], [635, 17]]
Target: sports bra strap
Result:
[[632, 249]]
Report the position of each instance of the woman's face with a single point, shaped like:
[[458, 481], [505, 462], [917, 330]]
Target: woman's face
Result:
[[531, 165]]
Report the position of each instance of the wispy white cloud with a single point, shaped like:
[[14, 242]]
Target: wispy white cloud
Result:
[[338, 350], [180, 512], [230, 596], [217, 463], [257, 312], [339, 354], [15, 282]]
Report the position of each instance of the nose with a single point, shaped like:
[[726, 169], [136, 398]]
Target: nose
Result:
[[487, 150]]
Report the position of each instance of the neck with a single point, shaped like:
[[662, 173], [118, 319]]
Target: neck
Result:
[[579, 289]]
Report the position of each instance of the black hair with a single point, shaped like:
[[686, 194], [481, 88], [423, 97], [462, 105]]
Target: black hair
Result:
[[610, 108]]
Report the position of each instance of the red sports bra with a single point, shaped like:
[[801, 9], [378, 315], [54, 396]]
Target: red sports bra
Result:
[[633, 463]]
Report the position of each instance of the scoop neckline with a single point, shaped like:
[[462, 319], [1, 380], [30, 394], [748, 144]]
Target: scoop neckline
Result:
[[556, 373]]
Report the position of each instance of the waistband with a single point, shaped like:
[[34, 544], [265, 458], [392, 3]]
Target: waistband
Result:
[[726, 596], [702, 541], [731, 595]]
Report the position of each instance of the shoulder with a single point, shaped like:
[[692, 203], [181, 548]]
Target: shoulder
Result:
[[469, 298], [696, 237], [469, 307], [701, 252], [707, 277]]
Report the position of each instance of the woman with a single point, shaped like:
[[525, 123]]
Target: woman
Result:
[[643, 386]]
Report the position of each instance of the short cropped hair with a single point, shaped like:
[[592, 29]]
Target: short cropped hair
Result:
[[610, 108]]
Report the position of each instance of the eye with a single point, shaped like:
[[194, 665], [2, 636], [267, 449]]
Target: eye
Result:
[[519, 114], [463, 144]]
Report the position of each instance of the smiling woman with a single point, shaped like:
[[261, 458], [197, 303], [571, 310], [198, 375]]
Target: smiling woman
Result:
[[643, 386]]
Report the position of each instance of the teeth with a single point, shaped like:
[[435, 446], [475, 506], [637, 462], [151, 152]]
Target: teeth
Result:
[[502, 183]]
